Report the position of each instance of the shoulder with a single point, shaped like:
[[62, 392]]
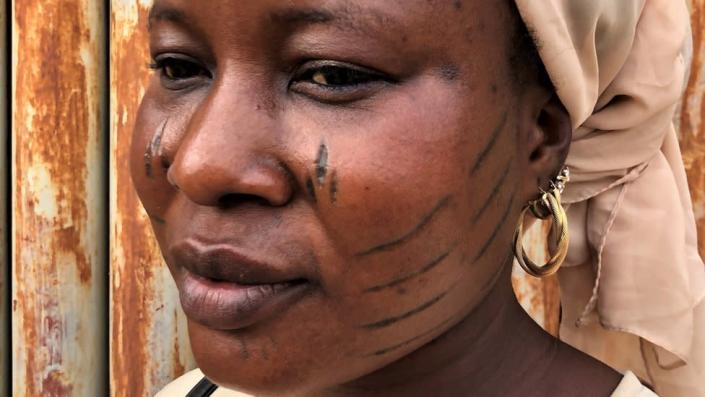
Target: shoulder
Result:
[[185, 383], [631, 387]]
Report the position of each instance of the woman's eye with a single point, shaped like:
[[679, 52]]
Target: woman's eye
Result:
[[334, 76], [176, 70], [337, 82]]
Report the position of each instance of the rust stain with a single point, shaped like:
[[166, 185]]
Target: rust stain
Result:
[[147, 349], [550, 291], [692, 125], [52, 130], [4, 203], [130, 313], [177, 364], [552, 304], [57, 136], [55, 384]]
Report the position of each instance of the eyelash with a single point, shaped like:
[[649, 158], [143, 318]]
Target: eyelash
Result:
[[324, 73], [336, 82], [170, 66], [325, 81]]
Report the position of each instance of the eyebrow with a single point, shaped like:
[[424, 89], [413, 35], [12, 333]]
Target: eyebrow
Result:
[[302, 16], [162, 13], [354, 18]]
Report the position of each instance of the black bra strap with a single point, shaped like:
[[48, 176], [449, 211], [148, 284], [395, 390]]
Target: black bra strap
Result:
[[204, 388]]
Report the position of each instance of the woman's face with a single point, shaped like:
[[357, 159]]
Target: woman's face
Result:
[[333, 183]]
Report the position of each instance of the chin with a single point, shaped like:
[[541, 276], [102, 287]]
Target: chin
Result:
[[245, 362]]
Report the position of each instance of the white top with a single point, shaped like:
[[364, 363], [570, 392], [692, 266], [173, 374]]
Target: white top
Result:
[[629, 387]]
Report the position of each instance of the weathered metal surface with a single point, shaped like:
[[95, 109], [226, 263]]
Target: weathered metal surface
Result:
[[149, 342], [4, 244], [692, 121], [58, 191]]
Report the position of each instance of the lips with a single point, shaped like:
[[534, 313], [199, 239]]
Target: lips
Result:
[[224, 289]]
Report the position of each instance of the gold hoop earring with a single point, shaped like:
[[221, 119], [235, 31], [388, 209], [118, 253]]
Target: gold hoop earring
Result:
[[548, 205]]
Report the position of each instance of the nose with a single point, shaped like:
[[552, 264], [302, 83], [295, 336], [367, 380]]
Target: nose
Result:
[[228, 154]]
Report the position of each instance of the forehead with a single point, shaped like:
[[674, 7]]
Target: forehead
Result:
[[427, 17], [310, 10]]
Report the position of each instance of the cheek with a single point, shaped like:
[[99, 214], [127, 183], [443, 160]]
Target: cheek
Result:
[[149, 124], [390, 168], [392, 185], [401, 217], [157, 134]]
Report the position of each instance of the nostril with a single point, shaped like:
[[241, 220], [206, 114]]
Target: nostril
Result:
[[235, 199], [166, 164]]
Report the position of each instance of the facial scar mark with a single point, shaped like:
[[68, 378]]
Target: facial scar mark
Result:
[[392, 320], [244, 351], [415, 274], [488, 149], [412, 340], [432, 330], [497, 229], [495, 192], [334, 187], [322, 164], [311, 189], [153, 149], [401, 240]]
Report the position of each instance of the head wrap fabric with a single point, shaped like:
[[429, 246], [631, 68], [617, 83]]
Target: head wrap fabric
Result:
[[618, 67]]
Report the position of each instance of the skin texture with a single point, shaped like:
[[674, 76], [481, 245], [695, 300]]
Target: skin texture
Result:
[[395, 197]]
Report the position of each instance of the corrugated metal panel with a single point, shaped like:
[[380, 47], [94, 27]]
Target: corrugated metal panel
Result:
[[4, 245], [692, 124], [149, 342], [58, 190]]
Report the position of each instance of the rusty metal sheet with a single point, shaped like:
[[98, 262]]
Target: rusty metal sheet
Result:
[[149, 341], [692, 124], [4, 244], [58, 199]]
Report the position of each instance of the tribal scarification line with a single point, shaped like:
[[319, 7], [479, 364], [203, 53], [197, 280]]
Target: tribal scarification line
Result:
[[406, 237], [490, 146]]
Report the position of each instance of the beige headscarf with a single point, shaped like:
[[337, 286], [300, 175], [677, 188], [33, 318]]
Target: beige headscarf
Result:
[[633, 286]]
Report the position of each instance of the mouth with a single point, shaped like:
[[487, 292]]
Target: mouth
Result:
[[224, 289]]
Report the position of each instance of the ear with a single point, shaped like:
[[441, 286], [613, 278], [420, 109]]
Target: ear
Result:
[[545, 133]]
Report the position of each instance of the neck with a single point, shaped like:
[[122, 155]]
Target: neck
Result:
[[496, 347]]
